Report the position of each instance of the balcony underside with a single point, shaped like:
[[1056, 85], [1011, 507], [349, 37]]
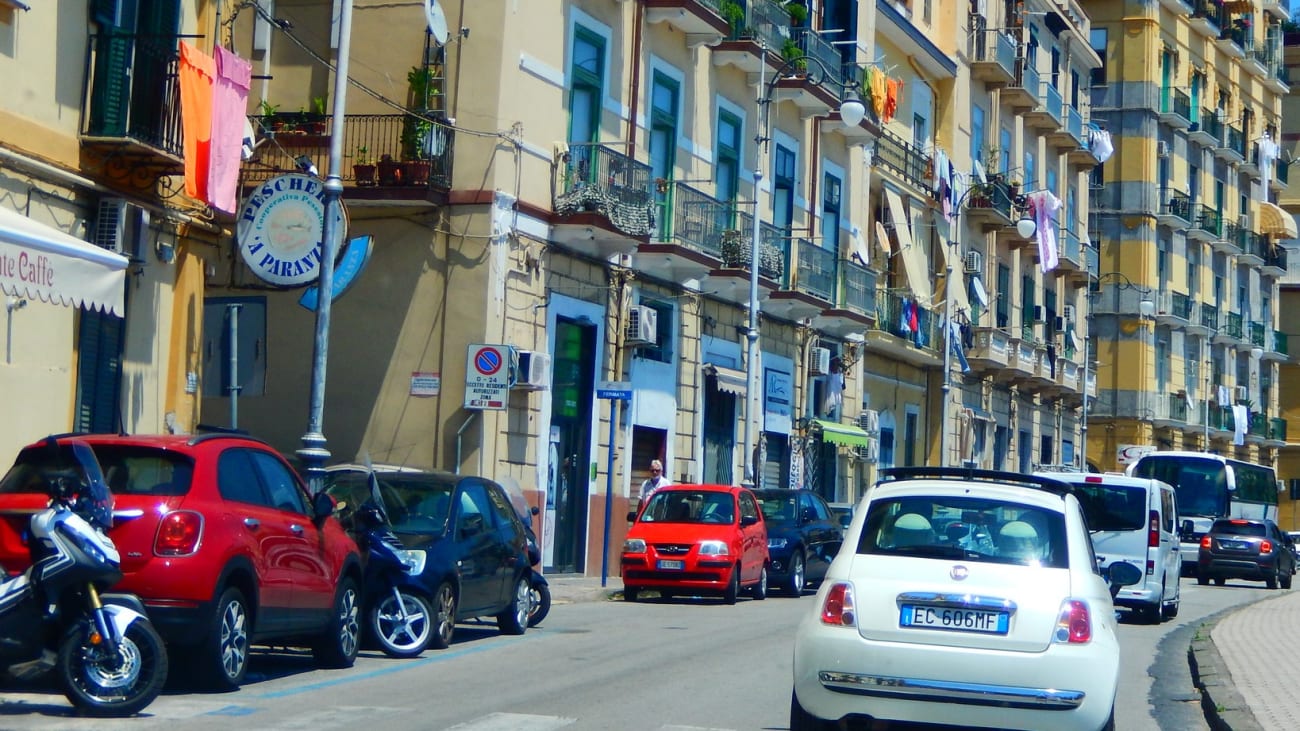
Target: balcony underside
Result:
[[790, 304], [673, 262], [842, 322], [732, 284], [892, 346], [592, 234]]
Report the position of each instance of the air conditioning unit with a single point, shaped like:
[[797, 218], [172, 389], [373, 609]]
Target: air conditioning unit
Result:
[[869, 421], [1162, 148], [642, 326], [118, 227], [869, 453], [1067, 312], [1241, 393], [532, 370], [974, 262], [821, 361], [1243, 221]]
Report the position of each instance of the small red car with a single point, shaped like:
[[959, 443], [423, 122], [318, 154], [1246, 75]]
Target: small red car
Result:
[[697, 539], [221, 541]]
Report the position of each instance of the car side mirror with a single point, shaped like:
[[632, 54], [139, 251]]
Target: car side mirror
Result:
[[631, 516], [746, 520], [1186, 529], [323, 506]]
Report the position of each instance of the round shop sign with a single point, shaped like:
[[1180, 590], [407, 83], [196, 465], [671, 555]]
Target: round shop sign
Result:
[[280, 229]]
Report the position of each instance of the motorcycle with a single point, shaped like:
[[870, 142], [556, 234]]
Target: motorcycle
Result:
[[540, 605], [108, 657], [402, 619]]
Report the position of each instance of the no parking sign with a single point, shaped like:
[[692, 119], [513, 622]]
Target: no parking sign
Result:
[[487, 377]]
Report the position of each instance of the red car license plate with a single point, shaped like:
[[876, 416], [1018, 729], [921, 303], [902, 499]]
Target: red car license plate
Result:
[[666, 565]]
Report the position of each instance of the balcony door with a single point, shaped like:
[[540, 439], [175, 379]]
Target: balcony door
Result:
[[133, 54], [664, 94]]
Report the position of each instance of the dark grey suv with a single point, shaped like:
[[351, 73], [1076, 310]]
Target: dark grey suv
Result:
[[1237, 548]]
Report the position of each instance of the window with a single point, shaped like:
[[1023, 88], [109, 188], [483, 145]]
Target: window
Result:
[[283, 488], [1027, 302], [662, 350], [729, 147], [1004, 150], [1193, 269], [1031, 171], [886, 446], [909, 436], [1162, 363], [1051, 180], [586, 75], [1004, 296], [1045, 443], [663, 137], [237, 478], [783, 172], [1162, 260], [831, 194], [977, 132]]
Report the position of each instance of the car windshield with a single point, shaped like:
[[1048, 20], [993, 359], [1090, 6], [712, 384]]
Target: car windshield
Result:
[[969, 529], [778, 508], [416, 503], [1237, 528], [689, 506], [1112, 507]]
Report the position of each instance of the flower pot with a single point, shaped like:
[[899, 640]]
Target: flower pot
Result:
[[416, 172], [364, 174], [390, 172]]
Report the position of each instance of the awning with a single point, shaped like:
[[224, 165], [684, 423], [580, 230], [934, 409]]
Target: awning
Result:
[[844, 434], [914, 261], [1237, 6], [730, 380], [41, 262], [1274, 220]]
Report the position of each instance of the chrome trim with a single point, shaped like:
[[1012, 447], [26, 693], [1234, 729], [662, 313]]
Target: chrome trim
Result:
[[957, 601], [944, 691], [128, 514]]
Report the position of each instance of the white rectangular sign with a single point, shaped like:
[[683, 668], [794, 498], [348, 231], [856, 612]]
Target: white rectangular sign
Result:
[[487, 377]]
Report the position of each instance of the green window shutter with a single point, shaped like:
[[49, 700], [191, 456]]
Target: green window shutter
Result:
[[104, 12], [112, 79], [99, 371]]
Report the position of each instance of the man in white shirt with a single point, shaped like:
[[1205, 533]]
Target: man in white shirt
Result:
[[656, 480]]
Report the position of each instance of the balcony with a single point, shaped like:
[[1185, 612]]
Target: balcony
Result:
[[990, 204], [855, 308], [816, 95], [691, 227], [1208, 224], [1069, 252], [1175, 107], [1275, 263], [993, 57], [1067, 377], [892, 334], [1022, 361], [1253, 247], [1176, 210], [131, 112], [1195, 320], [1173, 309], [1170, 411], [1230, 331], [1279, 182], [417, 173], [1276, 436], [756, 39], [1258, 427], [1205, 18], [1232, 41], [811, 288], [1275, 8], [604, 204], [1048, 115], [1277, 347], [1279, 78], [1258, 62], [1250, 164], [1178, 7], [1044, 378], [1232, 147], [990, 350], [730, 280], [1092, 259], [1234, 239], [1209, 317], [1064, 137], [1257, 334], [1022, 93], [1208, 130], [904, 160], [700, 20]]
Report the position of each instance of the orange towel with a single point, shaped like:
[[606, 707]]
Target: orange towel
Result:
[[895, 87], [877, 81], [196, 74]]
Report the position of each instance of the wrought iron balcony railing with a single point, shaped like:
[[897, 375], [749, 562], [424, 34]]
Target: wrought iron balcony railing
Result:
[[815, 270], [903, 158], [1177, 204], [1209, 316], [596, 178], [131, 90], [857, 288], [764, 20]]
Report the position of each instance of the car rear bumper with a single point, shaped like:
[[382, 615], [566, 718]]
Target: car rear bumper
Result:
[[180, 622], [1237, 568]]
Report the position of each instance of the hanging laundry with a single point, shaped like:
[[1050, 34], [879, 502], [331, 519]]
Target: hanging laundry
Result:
[[1240, 421], [1267, 157], [1223, 398], [938, 161], [834, 393], [905, 322], [1187, 396], [955, 343], [894, 87], [234, 76], [878, 84], [1044, 205], [196, 73], [1100, 144]]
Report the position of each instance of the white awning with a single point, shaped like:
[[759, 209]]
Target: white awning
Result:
[[730, 380], [41, 262], [1274, 220], [914, 261]]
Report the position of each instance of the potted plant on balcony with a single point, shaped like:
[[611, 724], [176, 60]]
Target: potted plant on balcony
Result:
[[798, 13], [270, 120], [790, 51], [314, 123], [389, 170], [363, 168], [734, 14], [417, 141]]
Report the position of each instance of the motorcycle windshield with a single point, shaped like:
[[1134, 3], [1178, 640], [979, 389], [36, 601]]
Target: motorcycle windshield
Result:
[[95, 502], [67, 472]]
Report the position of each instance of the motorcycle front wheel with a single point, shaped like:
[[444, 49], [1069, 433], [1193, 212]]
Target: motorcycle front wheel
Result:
[[101, 683], [541, 604], [400, 636]]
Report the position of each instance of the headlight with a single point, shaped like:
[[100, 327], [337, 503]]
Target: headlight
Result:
[[634, 545], [776, 542], [413, 561], [713, 548]]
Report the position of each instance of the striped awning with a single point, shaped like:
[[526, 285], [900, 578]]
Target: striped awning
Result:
[[1273, 220], [844, 434]]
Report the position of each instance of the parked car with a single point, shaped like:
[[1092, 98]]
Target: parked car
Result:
[[843, 514], [222, 542], [476, 548], [1294, 535], [697, 539], [913, 624], [1134, 519], [1238, 548], [802, 537]]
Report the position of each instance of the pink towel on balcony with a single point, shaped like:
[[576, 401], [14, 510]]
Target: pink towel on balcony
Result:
[[1045, 205], [197, 70], [234, 76]]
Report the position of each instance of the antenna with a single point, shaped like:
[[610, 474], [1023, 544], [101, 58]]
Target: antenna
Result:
[[437, 21]]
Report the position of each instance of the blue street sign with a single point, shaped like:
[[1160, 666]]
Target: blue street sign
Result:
[[617, 390]]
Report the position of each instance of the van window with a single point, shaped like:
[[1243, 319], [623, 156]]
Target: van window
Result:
[[1167, 507], [1112, 507]]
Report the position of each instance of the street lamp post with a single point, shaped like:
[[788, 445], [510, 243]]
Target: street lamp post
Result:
[[1146, 310], [852, 112]]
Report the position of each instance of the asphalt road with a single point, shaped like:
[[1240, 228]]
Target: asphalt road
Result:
[[689, 664]]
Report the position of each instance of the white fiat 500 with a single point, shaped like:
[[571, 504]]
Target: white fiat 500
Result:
[[963, 597]]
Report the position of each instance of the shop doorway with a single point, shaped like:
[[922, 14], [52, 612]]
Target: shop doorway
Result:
[[571, 403]]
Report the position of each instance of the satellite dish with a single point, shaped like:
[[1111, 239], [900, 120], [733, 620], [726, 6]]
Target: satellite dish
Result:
[[979, 172], [437, 21]]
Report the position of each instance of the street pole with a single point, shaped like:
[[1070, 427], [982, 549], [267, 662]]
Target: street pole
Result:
[[751, 360], [313, 453], [947, 348]]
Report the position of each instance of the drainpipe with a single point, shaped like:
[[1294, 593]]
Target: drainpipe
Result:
[[634, 86], [459, 433]]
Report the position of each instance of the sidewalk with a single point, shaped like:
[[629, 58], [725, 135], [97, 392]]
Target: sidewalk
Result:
[[571, 588], [1242, 663]]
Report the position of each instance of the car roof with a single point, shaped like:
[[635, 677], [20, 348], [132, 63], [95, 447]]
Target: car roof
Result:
[[778, 491], [704, 488], [1104, 478], [398, 469], [167, 441], [972, 477]]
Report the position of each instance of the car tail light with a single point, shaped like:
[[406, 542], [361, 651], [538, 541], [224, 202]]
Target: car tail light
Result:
[[1153, 532], [1205, 541], [178, 534], [1074, 623], [1265, 546], [837, 609]]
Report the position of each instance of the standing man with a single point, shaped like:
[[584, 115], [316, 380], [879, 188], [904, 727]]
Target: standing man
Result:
[[654, 482]]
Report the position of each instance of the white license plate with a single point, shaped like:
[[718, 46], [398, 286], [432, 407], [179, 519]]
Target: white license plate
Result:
[[951, 618], [1234, 545], [666, 565]]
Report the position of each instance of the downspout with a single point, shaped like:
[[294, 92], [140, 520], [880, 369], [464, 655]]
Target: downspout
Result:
[[814, 149], [459, 434], [634, 84]]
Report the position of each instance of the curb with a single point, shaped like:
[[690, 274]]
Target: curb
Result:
[[1224, 708]]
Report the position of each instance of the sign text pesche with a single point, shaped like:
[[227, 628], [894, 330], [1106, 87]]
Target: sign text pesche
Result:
[[280, 229]]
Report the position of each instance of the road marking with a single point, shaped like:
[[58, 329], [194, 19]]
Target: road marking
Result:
[[513, 722]]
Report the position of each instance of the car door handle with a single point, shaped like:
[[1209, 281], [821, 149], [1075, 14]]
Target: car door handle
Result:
[[253, 523], [297, 529]]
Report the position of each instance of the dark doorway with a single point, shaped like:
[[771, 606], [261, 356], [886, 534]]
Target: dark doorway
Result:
[[574, 366], [719, 433]]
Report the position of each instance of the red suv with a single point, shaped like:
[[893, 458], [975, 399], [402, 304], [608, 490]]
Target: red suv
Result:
[[221, 540]]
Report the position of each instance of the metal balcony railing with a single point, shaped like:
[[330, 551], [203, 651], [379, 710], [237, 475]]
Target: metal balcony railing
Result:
[[1177, 204], [1053, 103], [697, 221], [1232, 325], [1074, 124], [995, 194], [738, 248], [1070, 247], [1180, 306], [1283, 172], [131, 90], [1209, 316], [815, 270], [1236, 140], [890, 319], [857, 288], [765, 20], [1207, 9], [1092, 258], [811, 43], [898, 155], [1280, 343], [1211, 125], [1257, 334], [1176, 101], [1277, 429], [1027, 77], [1209, 220], [1275, 256], [1235, 235]]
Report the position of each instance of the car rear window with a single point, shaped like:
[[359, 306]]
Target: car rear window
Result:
[[1112, 507], [689, 506], [779, 507], [140, 470], [1237, 528], [969, 529], [415, 503]]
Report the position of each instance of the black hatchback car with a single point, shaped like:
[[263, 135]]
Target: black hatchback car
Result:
[[803, 536], [1237, 548], [476, 548]]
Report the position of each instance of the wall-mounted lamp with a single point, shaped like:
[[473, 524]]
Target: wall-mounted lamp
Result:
[[1146, 308]]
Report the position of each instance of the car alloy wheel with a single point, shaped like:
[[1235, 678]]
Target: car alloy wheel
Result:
[[513, 620], [795, 583], [444, 607], [338, 645], [403, 623]]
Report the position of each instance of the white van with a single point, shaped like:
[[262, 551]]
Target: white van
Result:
[[1134, 520]]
